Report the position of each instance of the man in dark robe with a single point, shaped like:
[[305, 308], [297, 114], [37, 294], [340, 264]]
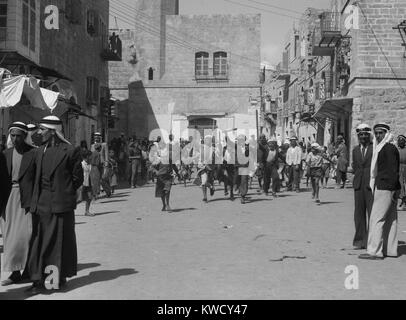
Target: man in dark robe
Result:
[[58, 176]]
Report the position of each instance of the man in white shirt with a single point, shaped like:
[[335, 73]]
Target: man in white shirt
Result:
[[293, 160]]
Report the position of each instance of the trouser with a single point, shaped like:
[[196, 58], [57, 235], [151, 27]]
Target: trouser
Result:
[[382, 240], [271, 174], [363, 205], [242, 182], [293, 174], [341, 177], [135, 165], [230, 178]]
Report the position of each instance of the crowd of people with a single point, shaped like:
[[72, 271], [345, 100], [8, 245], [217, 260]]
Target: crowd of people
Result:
[[41, 182]]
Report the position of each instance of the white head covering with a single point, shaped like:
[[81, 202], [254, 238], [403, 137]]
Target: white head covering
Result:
[[363, 127], [315, 145], [377, 148], [31, 128], [54, 123], [18, 126]]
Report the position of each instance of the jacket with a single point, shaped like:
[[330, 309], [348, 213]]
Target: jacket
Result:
[[388, 169], [66, 177], [361, 167], [26, 175], [5, 185]]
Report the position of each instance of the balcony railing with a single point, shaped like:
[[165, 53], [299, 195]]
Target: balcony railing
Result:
[[112, 48], [327, 35]]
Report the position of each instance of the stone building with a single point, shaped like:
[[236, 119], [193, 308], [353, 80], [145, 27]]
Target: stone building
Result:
[[184, 72], [71, 60], [357, 56]]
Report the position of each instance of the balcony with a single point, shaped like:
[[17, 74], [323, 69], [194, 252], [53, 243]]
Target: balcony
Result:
[[327, 35], [112, 48]]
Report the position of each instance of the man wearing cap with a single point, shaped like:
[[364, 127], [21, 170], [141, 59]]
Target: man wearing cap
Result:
[[58, 175], [16, 220], [293, 160], [361, 164], [382, 238]]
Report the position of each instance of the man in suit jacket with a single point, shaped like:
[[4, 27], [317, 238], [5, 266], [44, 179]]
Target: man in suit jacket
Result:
[[58, 175], [382, 239], [361, 164]]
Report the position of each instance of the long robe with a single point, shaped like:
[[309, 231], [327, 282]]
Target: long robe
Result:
[[16, 225]]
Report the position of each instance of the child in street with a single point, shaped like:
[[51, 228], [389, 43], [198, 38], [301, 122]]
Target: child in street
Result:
[[315, 163], [87, 192]]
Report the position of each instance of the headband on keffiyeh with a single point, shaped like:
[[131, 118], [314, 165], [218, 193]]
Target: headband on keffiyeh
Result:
[[54, 123], [401, 137], [21, 127]]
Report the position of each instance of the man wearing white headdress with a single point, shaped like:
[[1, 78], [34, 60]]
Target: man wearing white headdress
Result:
[[16, 220], [32, 128], [59, 174], [361, 164], [382, 238], [242, 163], [206, 166]]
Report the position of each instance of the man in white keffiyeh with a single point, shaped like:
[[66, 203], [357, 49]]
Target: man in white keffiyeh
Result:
[[382, 237]]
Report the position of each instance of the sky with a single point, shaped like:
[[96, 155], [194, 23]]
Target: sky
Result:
[[275, 22]]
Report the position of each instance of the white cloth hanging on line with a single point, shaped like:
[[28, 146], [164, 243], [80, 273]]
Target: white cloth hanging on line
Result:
[[13, 88]]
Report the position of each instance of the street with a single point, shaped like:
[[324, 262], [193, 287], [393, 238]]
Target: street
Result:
[[287, 248]]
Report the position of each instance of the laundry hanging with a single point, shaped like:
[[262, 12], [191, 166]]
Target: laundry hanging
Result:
[[11, 90]]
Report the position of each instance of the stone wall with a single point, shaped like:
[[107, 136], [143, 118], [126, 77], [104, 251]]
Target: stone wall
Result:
[[171, 54], [378, 66], [74, 53]]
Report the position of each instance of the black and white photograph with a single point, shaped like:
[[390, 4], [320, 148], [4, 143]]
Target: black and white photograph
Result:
[[202, 150]]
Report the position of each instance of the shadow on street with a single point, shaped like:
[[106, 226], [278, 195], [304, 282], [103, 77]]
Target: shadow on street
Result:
[[104, 213], [97, 276]]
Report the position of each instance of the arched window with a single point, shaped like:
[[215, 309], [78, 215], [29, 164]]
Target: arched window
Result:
[[202, 64], [150, 74], [220, 64]]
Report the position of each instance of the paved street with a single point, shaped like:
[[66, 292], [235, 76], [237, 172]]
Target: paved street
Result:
[[286, 248]]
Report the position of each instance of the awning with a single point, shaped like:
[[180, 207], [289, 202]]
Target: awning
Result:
[[47, 72], [12, 89], [335, 108], [64, 106], [13, 58]]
